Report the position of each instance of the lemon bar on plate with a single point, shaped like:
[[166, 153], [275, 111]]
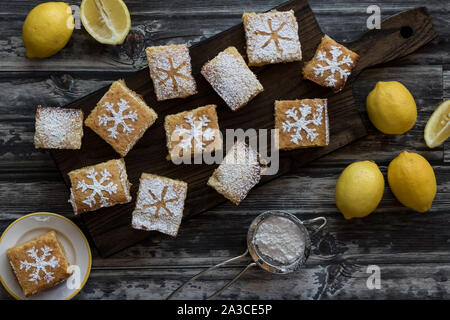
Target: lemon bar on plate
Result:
[[160, 204], [331, 65], [99, 186], [302, 123], [39, 264], [231, 78], [239, 172], [171, 71], [58, 128], [121, 117], [193, 132], [272, 37]]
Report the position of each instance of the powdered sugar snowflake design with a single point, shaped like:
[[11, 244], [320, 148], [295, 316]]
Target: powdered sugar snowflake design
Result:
[[300, 124], [274, 35], [40, 264], [157, 198], [118, 118], [97, 187], [197, 132], [173, 73], [334, 65]]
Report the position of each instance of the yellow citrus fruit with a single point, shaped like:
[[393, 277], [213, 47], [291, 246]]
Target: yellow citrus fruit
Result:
[[359, 189], [391, 107], [47, 29], [412, 181], [437, 129], [107, 21]]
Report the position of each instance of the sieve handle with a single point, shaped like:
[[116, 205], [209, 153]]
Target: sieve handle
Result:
[[225, 287], [311, 221], [215, 267]]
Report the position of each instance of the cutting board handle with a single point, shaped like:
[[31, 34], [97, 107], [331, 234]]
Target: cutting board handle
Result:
[[399, 36]]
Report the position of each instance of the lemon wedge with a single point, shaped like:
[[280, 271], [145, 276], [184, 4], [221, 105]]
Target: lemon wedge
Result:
[[437, 129], [107, 21]]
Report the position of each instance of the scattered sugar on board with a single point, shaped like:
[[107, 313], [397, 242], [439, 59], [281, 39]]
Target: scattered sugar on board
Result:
[[280, 239]]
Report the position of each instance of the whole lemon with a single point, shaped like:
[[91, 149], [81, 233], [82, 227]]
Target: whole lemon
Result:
[[47, 29], [391, 107], [412, 181], [359, 189]]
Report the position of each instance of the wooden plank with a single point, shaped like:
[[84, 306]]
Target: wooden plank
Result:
[[22, 165], [30, 88], [445, 97], [220, 233], [110, 228], [425, 83], [343, 279], [159, 22]]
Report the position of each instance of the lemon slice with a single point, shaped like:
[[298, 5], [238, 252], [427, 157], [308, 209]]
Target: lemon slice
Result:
[[107, 21], [437, 129]]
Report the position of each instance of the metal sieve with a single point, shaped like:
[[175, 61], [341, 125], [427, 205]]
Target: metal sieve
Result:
[[259, 259]]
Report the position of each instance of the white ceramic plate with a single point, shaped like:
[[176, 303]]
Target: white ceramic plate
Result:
[[69, 235]]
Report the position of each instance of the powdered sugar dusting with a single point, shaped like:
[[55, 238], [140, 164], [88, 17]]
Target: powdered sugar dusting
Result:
[[272, 37], [159, 205], [238, 173], [280, 239], [230, 77], [171, 72], [58, 128]]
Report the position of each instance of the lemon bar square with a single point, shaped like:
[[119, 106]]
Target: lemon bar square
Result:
[[193, 132], [160, 204], [171, 71], [39, 264], [58, 128], [302, 123], [231, 78], [271, 37], [239, 172], [121, 117], [99, 186], [331, 65]]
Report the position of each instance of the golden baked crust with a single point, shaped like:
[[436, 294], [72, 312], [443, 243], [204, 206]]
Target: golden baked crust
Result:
[[231, 78], [102, 185], [39, 263], [136, 115], [318, 68], [177, 128], [58, 128], [159, 204], [171, 71], [302, 123], [272, 37], [239, 172]]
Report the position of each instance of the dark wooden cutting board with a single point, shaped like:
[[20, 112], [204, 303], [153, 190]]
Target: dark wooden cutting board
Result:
[[110, 229]]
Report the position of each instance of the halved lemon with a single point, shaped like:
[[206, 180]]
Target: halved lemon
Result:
[[437, 129], [107, 21]]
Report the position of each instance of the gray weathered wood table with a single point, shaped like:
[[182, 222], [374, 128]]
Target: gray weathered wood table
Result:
[[411, 249]]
